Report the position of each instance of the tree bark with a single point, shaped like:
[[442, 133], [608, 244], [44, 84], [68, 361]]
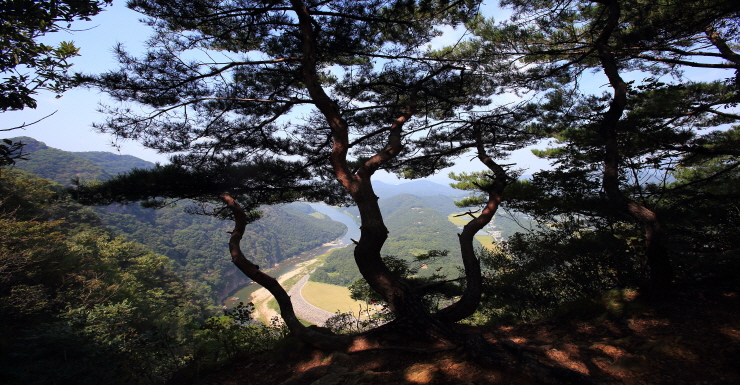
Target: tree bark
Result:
[[252, 271], [373, 231], [660, 271], [470, 300]]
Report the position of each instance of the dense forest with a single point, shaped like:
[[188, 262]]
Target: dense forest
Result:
[[194, 243], [80, 305]]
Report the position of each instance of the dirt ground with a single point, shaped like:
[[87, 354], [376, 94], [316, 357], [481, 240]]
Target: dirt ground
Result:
[[693, 338]]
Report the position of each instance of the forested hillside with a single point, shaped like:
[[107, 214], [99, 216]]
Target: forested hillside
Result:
[[57, 165], [73, 297], [197, 244], [79, 305], [415, 228]]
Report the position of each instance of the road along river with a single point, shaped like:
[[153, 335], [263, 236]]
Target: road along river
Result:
[[296, 271]]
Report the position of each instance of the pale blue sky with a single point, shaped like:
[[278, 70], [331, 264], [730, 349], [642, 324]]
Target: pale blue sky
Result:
[[70, 127]]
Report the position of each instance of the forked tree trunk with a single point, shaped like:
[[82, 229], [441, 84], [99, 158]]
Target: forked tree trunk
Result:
[[252, 271], [396, 293], [401, 298], [470, 300], [660, 271]]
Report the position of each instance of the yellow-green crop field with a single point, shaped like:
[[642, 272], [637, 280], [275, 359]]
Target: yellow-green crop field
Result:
[[330, 297], [458, 221], [485, 240], [317, 215]]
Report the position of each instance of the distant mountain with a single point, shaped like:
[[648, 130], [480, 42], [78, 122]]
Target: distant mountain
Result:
[[416, 187], [114, 163], [62, 166], [57, 165]]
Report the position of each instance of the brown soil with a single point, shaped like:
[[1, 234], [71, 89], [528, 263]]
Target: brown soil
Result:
[[692, 339]]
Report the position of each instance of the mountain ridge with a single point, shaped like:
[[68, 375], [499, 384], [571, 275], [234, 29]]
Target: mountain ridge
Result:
[[195, 244]]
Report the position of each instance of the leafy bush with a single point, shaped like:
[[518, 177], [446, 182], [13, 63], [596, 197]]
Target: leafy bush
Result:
[[434, 288], [236, 332], [533, 274]]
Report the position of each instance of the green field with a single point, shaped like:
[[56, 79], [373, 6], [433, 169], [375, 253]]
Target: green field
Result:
[[330, 297], [459, 221], [485, 240]]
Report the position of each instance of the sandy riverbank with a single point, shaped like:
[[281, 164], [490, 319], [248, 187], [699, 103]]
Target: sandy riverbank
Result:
[[261, 297]]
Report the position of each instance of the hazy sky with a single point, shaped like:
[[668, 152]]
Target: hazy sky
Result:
[[70, 127]]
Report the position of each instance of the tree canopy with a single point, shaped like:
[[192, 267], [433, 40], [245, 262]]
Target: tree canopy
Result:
[[614, 151], [28, 66], [31, 66], [269, 102]]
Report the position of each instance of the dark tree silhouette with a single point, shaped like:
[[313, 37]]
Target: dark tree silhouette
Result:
[[224, 84]]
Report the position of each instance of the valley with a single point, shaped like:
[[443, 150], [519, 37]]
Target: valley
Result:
[[584, 228], [318, 300], [294, 242]]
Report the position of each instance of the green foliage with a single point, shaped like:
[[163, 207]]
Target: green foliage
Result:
[[236, 332], [366, 319], [415, 229], [534, 274], [477, 182], [701, 215], [28, 65], [75, 290], [78, 306]]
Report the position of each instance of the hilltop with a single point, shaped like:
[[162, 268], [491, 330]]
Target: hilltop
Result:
[[62, 166]]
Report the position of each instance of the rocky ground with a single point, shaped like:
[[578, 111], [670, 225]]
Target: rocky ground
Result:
[[693, 338]]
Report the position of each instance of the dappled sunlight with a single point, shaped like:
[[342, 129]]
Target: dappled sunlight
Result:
[[449, 369], [317, 358], [520, 340], [362, 343], [676, 341], [611, 351], [422, 373], [646, 325], [733, 333]]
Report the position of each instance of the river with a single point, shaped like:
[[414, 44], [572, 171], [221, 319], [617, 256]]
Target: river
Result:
[[353, 232]]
